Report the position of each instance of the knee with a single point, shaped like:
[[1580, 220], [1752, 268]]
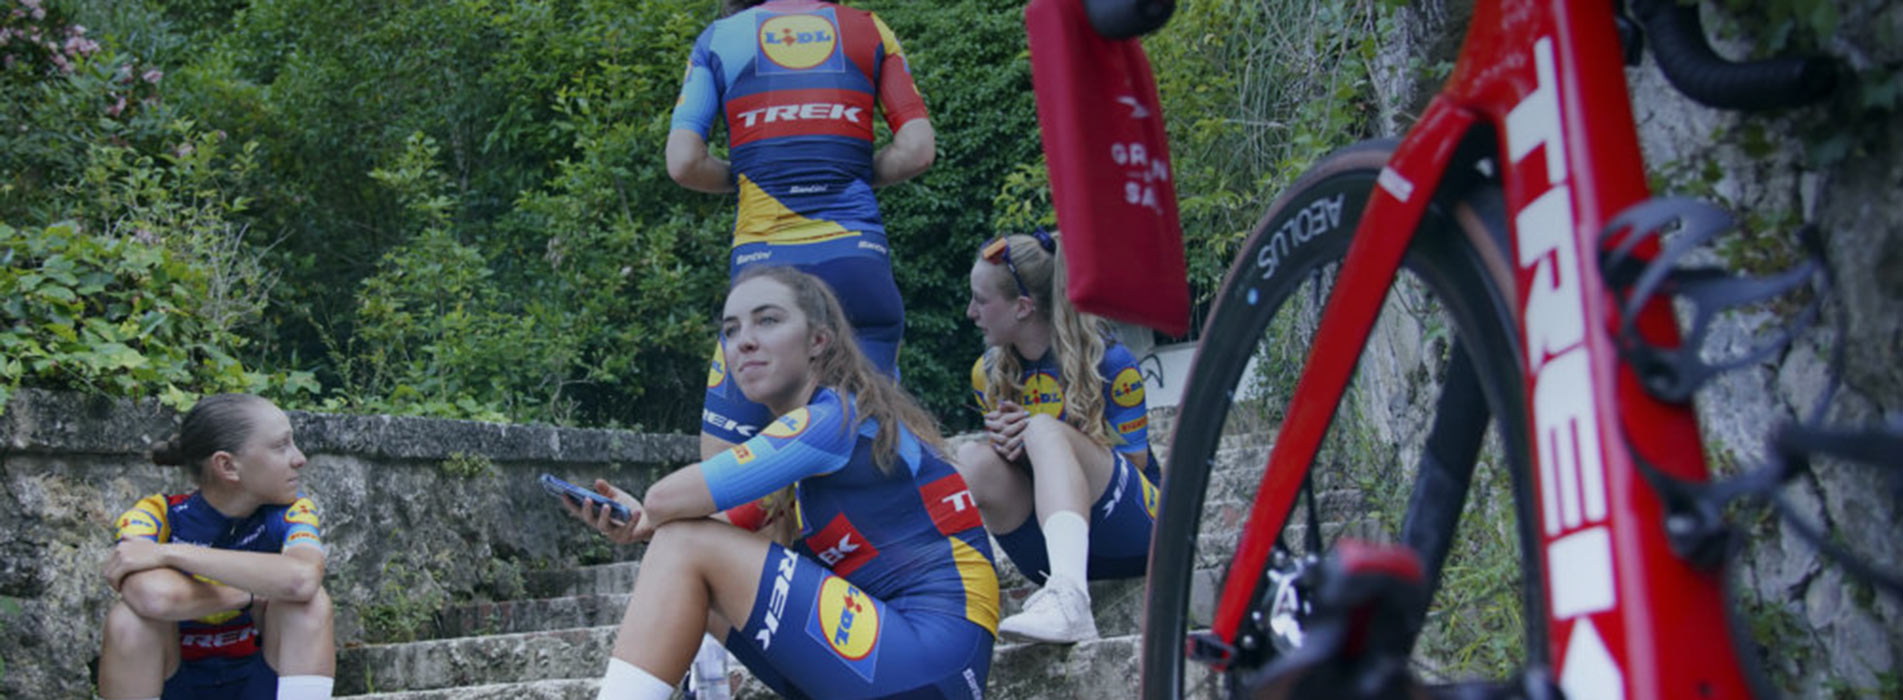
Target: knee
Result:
[[1044, 427], [149, 596], [317, 608], [126, 629]]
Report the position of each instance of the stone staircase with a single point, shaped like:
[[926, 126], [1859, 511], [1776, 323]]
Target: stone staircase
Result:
[[553, 644]]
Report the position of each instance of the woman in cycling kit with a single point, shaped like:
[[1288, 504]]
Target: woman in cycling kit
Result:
[[889, 587], [1067, 439], [221, 590]]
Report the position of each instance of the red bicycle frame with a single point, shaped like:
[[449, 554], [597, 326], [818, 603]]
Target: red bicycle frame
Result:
[[1625, 616]]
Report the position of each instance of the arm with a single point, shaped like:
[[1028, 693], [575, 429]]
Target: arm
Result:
[[293, 575], [167, 594], [912, 150], [691, 165]]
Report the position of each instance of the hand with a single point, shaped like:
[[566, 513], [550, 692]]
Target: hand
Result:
[[602, 518], [1004, 428], [131, 556]]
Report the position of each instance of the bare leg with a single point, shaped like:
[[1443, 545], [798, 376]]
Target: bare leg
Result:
[[692, 568], [1072, 470], [1003, 492], [300, 641], [137, 656]]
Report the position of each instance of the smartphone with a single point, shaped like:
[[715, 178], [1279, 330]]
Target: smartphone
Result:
[[576, 494]]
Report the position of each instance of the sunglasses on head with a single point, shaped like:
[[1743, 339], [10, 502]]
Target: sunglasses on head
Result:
[[998, 252]]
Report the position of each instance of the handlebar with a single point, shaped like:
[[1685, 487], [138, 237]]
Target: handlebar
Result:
[[1677, 38]]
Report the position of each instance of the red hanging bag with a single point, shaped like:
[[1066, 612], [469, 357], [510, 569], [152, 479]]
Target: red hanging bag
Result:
[[1110, 169]]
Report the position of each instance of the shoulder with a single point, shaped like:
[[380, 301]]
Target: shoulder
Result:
[[146, 518]]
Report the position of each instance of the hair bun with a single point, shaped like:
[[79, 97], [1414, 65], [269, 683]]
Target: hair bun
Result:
[[165, 454]]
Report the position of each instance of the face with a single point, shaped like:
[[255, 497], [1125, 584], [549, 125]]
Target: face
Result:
[[996, 314], [770, 345], [269, 463]]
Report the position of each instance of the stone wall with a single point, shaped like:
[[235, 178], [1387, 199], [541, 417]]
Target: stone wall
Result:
[[415, 513], [1826, 634]]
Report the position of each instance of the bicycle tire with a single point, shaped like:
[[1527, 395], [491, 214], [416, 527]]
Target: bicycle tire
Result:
[[1457, 256]]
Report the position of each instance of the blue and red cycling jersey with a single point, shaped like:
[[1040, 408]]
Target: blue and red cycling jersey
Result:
[[911, 537], [189, 519], [1124, 412], [797, 83]]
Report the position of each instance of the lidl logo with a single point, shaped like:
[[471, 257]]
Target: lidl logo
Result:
[[798, 41], [847, 619], [301, 513], [789, 425], [1042, 394], [138, 524], [1127, 389], [716, 368]]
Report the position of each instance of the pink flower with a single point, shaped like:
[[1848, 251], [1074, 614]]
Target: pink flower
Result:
[[152, 76], [117, 107], [144, 236]]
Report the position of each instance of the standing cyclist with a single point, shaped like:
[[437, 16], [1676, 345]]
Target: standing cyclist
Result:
[[796, 82]]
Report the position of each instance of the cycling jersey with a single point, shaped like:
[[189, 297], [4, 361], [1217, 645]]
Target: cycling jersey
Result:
[[797, 81], [1122, 517], [189, 519], [884, 568], [1124, 412]]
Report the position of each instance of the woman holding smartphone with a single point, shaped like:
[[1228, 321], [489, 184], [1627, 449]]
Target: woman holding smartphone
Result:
[[886, 585]]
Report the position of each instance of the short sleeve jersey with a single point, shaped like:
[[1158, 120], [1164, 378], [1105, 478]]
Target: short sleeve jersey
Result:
[[796, 82], [189, 519], [911, 537], [1125, 414]]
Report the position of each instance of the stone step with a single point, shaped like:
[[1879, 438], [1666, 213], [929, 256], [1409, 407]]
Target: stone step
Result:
[[514, 616], [560, 689], [475, 661], [600, 579], [1110, 667]]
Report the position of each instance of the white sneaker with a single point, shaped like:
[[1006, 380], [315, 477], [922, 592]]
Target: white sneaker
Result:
[[1058, 613]]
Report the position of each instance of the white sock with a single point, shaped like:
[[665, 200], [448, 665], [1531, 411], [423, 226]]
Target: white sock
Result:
[[624, 681], [304, 687], [1067, 543]]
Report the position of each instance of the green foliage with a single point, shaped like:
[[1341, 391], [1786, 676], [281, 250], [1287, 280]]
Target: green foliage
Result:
[[406, 603], [464, 465], [147, 293], [1858, 115], [62, 91]]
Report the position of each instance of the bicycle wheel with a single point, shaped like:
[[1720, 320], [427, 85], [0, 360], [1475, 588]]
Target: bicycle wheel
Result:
[[1389, 469]]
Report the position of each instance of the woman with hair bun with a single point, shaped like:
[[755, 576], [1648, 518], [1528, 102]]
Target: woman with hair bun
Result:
[[221, 590], [1065, 479]]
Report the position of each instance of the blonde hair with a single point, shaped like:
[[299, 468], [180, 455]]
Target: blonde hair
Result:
[[841, 365], [1077, 337]]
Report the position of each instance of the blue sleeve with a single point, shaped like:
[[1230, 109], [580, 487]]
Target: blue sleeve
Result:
[[1123, 406], [699, 101], [808, 441], [297, 526]]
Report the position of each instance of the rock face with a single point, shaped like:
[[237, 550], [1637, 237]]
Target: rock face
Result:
[[416, 513]]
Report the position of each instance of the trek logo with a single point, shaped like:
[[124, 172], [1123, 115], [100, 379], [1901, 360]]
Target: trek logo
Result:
[[776, 604], [949, 501], [811, 110], [1123, 481], [841, 547], [1566, 428], [719, 421]]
